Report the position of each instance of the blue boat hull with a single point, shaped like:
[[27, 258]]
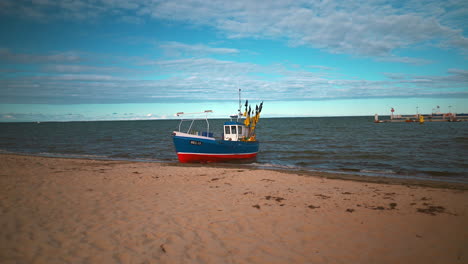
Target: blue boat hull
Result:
[[199, 149]]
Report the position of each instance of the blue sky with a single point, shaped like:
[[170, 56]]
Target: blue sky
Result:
[[111, 59]]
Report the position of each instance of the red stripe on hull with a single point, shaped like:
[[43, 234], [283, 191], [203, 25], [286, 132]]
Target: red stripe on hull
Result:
[[191, 157]]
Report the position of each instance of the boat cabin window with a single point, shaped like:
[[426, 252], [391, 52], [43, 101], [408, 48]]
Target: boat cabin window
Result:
[[227, 130], [233, 130], [240, 130]]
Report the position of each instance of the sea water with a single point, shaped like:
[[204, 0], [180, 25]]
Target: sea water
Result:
[[350, 145]]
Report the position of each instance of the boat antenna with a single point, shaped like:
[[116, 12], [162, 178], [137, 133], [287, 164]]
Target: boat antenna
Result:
[[240, 105]]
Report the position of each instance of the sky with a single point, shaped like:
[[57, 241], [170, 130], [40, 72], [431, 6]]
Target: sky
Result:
[[124, 60]]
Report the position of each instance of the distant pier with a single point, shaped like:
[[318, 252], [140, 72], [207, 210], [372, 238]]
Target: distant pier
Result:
[[421, 118]]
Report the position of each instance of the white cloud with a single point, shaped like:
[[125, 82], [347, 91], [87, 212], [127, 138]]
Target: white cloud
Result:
[[202, 79], [204, 67], [86, 69], [373, 28], [77, 77], [11, 57], [132, 19], [59, 117], [415, 61], [195, 49]]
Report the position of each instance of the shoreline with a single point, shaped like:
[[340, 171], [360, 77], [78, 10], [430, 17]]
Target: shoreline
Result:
[[65, 210], [340, 176], [350, 176]]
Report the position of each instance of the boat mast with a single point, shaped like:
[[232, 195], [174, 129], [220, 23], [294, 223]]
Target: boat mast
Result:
[[239, 110]]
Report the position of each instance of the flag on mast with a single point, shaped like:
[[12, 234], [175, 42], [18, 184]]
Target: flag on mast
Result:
[[246, 103]]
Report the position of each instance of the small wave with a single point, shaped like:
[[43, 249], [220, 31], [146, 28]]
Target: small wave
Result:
[[8, 138], [317, 152], [67, 155], [104, 139], [66, 151], [55, 155], [312, 159], [441, 174], [275, 142], [4, 151], [275, 166], [8, 144], [370, 156], [296, 135], [377, 171], [461, 139], [121, 155], [304, 163]]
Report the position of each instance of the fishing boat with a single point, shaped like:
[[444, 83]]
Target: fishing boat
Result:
[[237, 143]]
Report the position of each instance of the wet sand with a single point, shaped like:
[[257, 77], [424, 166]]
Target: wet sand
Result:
[[56, 210]]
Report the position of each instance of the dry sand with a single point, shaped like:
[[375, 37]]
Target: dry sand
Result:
[[57, 210]]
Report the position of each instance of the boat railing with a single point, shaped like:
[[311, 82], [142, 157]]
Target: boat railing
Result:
[[192, 120]]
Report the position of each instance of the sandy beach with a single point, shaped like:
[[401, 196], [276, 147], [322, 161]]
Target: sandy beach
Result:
[[56, 210]]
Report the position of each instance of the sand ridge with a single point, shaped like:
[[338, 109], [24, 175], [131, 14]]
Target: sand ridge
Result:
[[57, 210]]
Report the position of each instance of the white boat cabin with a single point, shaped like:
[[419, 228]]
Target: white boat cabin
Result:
[[234, 131]]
